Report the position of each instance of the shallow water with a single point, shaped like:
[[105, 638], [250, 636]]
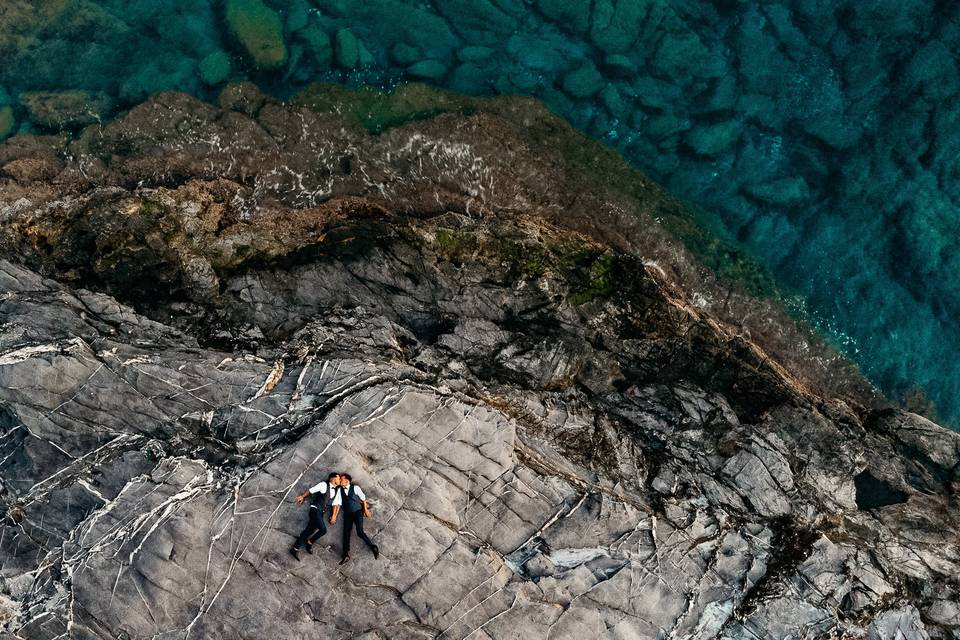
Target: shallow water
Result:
[[821, 133]]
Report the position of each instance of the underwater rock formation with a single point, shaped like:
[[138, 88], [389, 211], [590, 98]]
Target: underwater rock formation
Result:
[[485, 318]]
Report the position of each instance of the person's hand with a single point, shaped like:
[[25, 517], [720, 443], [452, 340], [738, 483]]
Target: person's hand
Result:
[[367, 513], [333, 520], [300, 499]]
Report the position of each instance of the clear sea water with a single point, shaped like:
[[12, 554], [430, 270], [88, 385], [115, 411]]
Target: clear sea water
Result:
[[821, 134]]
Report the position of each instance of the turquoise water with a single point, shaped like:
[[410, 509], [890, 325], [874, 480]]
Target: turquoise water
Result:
[[822, 133]]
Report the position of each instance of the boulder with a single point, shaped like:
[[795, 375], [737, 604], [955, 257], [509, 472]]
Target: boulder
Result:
[[259, 31], [785, 191], [682, 55], [405, 55], [432, 70], [614, 102], [346, 49], [572, 15], [620, 65], [474, 53], [712, 139], [7, 122], [898, 624], [319, 44], [364, 56], [469, 78], [583, 81], [56, 110], [616, 24], [298, 16], [215, 68]]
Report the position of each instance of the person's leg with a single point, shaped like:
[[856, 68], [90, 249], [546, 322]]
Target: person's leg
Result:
[[304, 537], [319, 527], [347, 525], [358, 523]]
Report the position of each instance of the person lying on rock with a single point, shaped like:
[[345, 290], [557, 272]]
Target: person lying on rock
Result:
[[355, 509], [323, 494]]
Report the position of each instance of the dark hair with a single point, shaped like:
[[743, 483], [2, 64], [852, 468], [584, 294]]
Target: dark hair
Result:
[[347, 476], [332, 475]]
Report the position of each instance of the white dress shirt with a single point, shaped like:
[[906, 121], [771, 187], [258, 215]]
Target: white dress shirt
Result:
[[357, 491], [321, 487]]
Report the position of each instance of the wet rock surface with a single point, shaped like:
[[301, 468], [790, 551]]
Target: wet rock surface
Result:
[[203, 310]]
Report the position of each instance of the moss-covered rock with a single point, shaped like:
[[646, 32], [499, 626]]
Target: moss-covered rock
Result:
[[346, 49], [376, 110], [259, 31], [215, 68], [7, 122]]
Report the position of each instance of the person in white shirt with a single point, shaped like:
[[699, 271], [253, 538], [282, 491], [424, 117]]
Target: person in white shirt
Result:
[[355, 509], [323, 494]]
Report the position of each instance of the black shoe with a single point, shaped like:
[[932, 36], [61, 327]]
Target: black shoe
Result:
[[345, 560], [295, 552], [376, 552], [310, 549]]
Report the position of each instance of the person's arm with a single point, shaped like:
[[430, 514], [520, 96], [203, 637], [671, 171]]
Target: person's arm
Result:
[[312, 490], [363, 501], [335, 504]]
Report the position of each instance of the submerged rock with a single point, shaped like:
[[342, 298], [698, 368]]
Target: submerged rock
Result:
[[481, 316], [782, 191], [714, 138], [259, 31], [7, 121], [346, 49], [474, 54], [584, 81], [215, 68], [320, 45], [428, 70]]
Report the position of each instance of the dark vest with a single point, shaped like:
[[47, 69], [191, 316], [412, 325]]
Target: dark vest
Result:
[[321, 500], [351, 502]]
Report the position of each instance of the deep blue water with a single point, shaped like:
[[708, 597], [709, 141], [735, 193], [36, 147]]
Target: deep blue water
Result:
[[821, 133]]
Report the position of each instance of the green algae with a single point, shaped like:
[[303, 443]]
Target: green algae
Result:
[[376, 110]]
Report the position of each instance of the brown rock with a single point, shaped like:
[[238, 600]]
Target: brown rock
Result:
[[56, 110]]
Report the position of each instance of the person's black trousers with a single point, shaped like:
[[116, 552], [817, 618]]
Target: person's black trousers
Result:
[[350, 521], [315, 525]]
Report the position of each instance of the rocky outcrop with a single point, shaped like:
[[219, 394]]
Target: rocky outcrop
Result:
[[206, 309]]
